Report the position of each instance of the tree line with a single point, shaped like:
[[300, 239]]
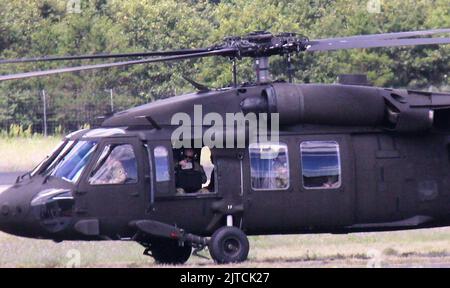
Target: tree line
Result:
[[32, 28]]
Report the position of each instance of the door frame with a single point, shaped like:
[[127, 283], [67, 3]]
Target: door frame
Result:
[[347, 191], [158, 188], [298, 209], [89, 198]]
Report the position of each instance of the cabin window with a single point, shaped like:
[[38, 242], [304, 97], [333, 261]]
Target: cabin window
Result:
[[194, 171], [269, 166], [116, 165], [321, 167], [161, 155]]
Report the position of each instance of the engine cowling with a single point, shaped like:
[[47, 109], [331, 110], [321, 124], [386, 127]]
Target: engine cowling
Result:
[[319, 104], [346, 105]]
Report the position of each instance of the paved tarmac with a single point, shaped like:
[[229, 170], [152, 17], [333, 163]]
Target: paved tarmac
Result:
[[7, 179]]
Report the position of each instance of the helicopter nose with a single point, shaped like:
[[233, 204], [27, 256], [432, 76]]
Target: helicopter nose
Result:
[[5, 211], [11, 213]]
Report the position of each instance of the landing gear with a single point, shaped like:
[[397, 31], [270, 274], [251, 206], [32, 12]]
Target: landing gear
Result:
[[229, 245], [168, 251]]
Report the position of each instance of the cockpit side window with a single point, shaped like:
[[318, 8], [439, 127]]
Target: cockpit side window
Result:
[[116, 165]]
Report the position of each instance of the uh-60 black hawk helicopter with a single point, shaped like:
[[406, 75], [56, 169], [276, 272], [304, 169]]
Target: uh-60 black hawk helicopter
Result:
[[349, 158]]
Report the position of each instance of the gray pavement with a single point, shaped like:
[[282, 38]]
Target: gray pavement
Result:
[[7, 179]]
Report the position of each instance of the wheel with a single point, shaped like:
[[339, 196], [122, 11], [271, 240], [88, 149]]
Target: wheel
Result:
[[229, 245], [166, 251]]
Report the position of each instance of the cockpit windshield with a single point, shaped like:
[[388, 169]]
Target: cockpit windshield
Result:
[[62, 152], [70, 166], [61, 145]]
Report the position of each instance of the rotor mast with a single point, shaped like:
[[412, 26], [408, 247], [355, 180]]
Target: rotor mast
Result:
[[262, 70], [260, 45]]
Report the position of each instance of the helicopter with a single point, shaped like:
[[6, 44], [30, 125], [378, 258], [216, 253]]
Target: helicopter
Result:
[[344, 157]]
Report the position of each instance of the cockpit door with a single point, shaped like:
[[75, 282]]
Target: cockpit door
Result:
[[114, 182]]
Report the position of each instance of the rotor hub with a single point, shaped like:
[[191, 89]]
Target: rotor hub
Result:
[[260, 44]]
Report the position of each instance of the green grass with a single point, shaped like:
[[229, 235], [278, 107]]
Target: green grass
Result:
[[409, 248], [429, 247], [22, 154]]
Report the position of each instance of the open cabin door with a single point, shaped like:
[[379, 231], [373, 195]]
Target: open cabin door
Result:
[[190, 210]]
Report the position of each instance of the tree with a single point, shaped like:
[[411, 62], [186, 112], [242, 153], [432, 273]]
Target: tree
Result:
[[46, 27]]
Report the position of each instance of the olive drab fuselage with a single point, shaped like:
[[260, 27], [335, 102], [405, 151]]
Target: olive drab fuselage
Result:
[[353, 158]]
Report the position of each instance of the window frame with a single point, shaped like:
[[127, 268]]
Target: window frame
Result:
[[338, 146], [280, 143]]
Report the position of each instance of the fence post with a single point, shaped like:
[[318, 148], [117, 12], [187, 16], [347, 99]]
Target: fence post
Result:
[[44, 100], [112, 100]]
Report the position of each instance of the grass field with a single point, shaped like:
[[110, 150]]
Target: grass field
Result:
[[427, 247], [22, 154]]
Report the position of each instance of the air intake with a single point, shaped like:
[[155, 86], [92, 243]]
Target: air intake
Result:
[[354, 79]]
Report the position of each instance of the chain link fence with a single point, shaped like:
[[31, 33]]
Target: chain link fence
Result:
[[52, 113], [47, 114]]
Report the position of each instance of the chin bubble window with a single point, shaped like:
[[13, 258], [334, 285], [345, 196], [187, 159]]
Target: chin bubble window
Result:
[[116, 165], [269, 166], [321, 167]]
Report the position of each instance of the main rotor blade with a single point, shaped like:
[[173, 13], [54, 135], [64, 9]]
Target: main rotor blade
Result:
[[317, 45], [387, 36], [103, 56], [222, 52]]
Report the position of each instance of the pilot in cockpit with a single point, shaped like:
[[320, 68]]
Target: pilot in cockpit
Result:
[[114, 170]]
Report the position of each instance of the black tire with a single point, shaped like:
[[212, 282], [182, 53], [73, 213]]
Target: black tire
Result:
[[229, 245], [166, 251]]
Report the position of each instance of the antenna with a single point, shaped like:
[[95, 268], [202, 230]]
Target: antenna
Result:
[[234, 71]]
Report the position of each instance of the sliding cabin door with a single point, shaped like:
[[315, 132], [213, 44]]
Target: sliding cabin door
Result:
[[301, 183]]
